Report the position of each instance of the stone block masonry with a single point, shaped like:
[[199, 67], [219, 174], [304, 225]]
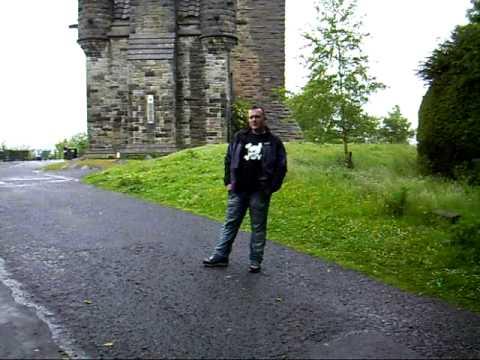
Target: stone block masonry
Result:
[[162, 74], [259, 60]]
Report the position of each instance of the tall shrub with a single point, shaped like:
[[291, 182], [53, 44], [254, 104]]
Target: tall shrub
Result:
[[449, 116]]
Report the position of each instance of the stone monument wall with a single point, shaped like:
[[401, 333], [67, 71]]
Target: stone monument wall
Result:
[[259, 60], [162, 74]]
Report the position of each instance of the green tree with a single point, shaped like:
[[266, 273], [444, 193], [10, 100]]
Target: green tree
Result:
[[366, 129], [78, 141], [395, 128], [239, 116], [339, 84], [59, 148], [474, 13], [449, 117]]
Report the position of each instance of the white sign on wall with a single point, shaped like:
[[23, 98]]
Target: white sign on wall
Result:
[[150, 109]]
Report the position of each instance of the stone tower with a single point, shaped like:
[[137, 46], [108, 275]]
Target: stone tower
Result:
[[162, 74]]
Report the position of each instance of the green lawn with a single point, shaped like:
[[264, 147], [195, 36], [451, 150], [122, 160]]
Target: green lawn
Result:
[[376, 218], [78, 163]]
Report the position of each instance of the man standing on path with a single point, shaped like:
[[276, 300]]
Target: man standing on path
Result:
[[255, 166]]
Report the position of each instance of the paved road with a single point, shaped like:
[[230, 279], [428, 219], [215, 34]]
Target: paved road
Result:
[[100, 274], [22, 333]]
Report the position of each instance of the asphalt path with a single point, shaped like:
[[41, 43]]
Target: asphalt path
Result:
[[91, 273]]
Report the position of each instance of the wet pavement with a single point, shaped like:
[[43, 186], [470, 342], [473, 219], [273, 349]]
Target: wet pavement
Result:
[[107, 275], [22, 333]]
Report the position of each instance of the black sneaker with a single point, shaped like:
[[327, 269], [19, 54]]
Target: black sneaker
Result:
[[254, 268], [215, 261]]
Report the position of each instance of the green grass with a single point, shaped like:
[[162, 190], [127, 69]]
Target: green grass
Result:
[[376, 218], [91, 163]]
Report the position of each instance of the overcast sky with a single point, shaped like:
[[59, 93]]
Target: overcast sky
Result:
[[42, 70]]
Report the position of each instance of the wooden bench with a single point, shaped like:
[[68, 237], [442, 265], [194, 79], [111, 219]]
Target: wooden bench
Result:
[[451, 216]]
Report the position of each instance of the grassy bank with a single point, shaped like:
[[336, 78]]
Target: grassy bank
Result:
[[99, 164], [376, 218]]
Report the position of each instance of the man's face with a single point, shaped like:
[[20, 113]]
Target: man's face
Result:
[[256, 119]]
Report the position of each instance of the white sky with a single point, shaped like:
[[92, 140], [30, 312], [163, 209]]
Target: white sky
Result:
[[42, 69]]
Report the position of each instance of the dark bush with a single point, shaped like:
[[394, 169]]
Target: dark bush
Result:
[[466, 238], [449, 117]]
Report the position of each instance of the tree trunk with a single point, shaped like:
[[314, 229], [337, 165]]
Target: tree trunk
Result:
[[347, 154]]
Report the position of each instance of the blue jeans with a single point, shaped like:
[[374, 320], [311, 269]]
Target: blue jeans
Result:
[[257, 203]]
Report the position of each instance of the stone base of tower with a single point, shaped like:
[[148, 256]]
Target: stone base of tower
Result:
[[132, 152]]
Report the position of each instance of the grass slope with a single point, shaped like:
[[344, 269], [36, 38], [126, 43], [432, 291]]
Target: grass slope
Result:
[[79, 163], [375, 219]]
